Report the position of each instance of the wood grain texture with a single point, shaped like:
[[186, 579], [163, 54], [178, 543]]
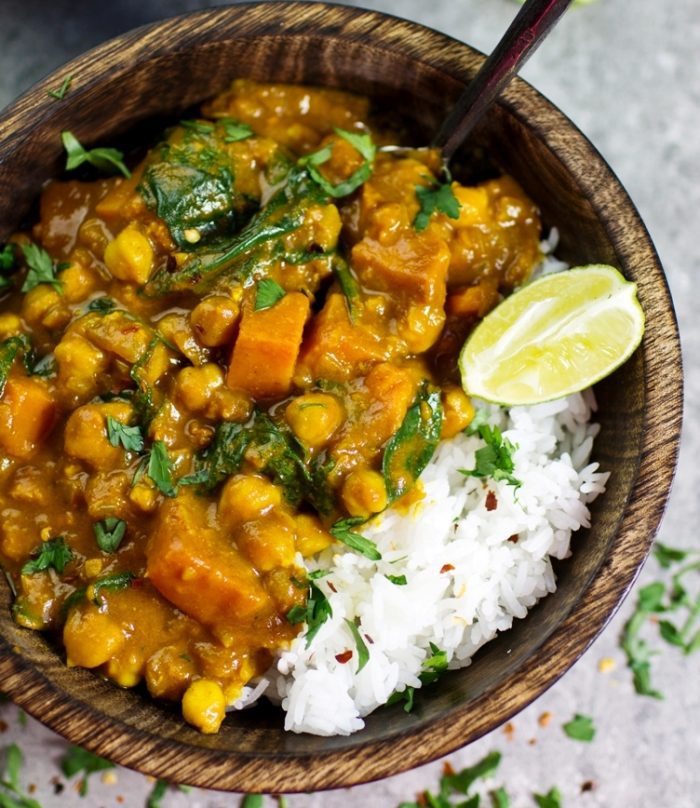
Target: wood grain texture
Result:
[[161, 70]]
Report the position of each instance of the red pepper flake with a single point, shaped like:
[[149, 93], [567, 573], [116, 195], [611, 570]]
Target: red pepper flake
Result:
[[446, 567], [509, 730], [136, 583], [346, 656], [514, 538], [331, 587], [589, 785], [491, 501], [545, 719], [120, 799], [447, 770], [130, 329], [3, 726]]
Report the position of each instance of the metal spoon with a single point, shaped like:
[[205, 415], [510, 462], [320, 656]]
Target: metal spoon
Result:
[[529, 28]]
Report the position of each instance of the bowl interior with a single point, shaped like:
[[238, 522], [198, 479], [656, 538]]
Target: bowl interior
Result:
[[160, 71]]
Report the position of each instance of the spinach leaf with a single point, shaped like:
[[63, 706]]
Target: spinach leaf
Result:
[[235, 131], [410, 449], [349, 285], [274, 451]]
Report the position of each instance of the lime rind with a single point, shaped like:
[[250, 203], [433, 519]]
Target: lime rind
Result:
[[555, 336]]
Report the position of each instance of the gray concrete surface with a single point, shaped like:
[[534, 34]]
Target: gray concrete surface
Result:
[[628, 73]]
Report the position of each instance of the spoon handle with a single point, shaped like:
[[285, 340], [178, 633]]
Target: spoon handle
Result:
[[528, 29]]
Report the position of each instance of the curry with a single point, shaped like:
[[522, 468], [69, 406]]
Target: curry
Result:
[[220, 363]]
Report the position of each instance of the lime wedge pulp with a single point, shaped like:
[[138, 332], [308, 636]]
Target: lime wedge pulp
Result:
[[557, 335]]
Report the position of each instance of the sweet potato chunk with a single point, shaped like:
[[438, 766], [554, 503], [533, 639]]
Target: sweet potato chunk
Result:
[[267, 347], [197, 568], [27, 413]]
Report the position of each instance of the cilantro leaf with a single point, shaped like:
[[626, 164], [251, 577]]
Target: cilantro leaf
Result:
[[363, 143], [104, 159], [7, 259], [129, 437], [398, 580], [203, 127], [433, 198], [41, 268], [267, 293], [155, 798], [580, 728], [666, 556], [235, 131], [53, 554], [552, 799], [500, 798], [342, 531], [11, 795], [433, 666], [78, 760], [349, 285], [109, 533], [362, 650], [408, 452], [495, 459], [114, 582], [60, 93], [9, 349], [314, 614], [160, 470], [463, 780], [252, 801]]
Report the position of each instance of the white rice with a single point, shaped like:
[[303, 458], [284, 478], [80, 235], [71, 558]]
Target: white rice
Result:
[[488, 579]]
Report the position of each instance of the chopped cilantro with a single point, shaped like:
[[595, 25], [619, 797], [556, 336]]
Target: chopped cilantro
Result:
[[314, 614], [580, 728], [155, 798], [433, 666], [267, 293], [130, 437], [11, 795], [109, 533], [52, 554], [104, 159], [433, 198], [399, 580], [494, 460], [552, 799], [252, 801], [362, 650], [235, 131], [9, 349], [363, 143], [78, 760], [160, 469], [203, 127], [667, 556], [60, 93], [349, 285], [342, 531], [41, 268], [500, 798]]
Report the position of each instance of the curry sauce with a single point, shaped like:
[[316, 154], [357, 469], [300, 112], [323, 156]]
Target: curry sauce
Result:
[[223, 361]]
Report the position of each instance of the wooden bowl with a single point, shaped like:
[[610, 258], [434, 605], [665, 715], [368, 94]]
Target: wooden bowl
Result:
[[160, 70]]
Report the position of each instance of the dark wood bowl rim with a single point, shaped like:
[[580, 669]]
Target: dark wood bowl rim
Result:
[[209, 768]]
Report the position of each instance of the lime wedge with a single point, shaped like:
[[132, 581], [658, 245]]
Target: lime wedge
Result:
[[555, 336]]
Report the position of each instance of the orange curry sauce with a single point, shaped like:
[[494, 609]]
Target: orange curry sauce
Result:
[[225, 351]]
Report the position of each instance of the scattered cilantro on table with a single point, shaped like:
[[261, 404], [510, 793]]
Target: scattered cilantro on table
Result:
[[659, 598], [552, 799], [79, 761], [580, 728], [11, 795]]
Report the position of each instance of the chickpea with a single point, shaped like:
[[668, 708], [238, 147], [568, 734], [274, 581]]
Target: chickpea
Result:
[[168, 672], [10, 325], [86, 435], [314, 418], [176, 328], [91, 638], [129, 257], [364, 493], [214, 320], [79, 365], [268, 543], [77, 283], [204, 706], [246, 497], [231, 405], [195, 386], [126, 669], [44, 306], [458, 411]]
